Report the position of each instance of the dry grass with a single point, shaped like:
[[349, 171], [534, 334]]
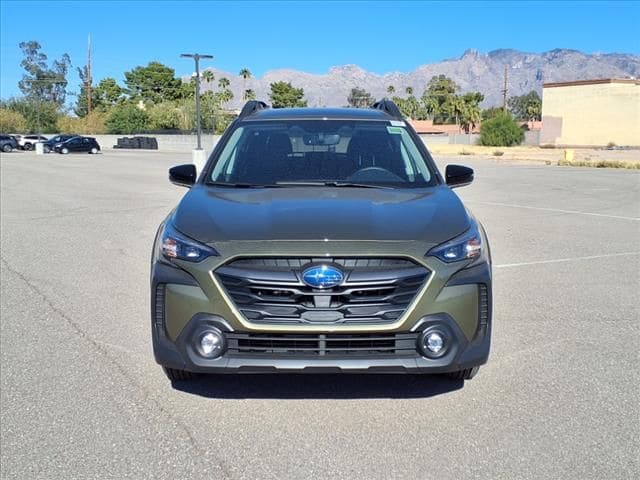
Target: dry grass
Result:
[[599, 164], [544, 155]]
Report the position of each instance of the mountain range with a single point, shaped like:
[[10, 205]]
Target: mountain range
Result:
[[472, 71]]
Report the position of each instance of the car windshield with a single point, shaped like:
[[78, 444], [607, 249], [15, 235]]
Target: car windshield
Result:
[[322, 152]]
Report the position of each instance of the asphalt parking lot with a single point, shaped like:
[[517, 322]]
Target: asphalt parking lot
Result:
[[81, 396]]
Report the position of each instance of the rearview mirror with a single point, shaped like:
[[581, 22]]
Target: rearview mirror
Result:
[[183, 175], [458, 175], [321, 139]]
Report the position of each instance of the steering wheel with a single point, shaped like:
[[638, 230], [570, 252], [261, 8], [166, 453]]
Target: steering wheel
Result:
[[373, 174]]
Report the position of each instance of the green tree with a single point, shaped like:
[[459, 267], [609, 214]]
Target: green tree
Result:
[[526, 107], [501, 131], [284, 95], [208, 76], [154, 83], [108, 94], [42, 82], [391, 89], [408, 91], [12, 121], [224, 83], [249, 95], [127, 119], [468, 113], [40, 116], [438, 99], [81, 107], [245, 73], [360, 98]]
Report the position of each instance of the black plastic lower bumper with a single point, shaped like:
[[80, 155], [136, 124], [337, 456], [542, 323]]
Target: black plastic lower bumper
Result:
[[460, 354]]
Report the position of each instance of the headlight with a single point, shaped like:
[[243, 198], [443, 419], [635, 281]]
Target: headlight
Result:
[[466, 246], [176, 245]]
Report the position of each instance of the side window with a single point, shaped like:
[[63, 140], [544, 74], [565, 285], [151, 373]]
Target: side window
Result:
[[85, 140]]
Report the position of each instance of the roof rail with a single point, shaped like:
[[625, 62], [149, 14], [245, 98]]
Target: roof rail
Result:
[[252, 106], [388, 106]]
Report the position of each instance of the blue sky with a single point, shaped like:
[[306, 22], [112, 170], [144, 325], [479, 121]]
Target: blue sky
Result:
[[311, 36]]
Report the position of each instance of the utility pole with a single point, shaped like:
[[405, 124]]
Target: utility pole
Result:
[[504, 90], [89, 78], [197, 57]]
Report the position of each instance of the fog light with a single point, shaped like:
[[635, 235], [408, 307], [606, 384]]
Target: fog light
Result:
[[210, 344], [434, 342]]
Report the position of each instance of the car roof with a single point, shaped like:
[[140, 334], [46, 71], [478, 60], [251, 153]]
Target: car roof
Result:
[[319, 114]]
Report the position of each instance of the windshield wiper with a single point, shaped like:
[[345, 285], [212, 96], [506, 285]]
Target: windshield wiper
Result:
[[236, 185], [330, 184]]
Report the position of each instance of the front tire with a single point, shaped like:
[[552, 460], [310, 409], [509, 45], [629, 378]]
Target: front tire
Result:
[[47, 149], [64, 151], [176, 375], [27, 146], [94, 150]]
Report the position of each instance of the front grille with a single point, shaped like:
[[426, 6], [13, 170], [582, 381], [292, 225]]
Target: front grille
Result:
[[388, 344], [270, 290]]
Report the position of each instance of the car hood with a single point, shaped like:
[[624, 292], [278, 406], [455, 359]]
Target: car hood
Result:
[[210, 214]]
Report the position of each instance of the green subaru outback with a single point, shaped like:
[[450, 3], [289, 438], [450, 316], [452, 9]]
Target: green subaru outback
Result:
[[320, 240]]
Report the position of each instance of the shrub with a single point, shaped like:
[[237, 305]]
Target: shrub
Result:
[[127, 119], [93, 123], [501, 131], [40, 117], [165, 116], [498, 153], [11, 121]]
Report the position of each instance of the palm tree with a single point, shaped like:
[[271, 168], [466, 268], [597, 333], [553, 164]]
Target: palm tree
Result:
[[245, 73], [391, 89], [249, 95], [208, 76], [224, 83], [409, 91]]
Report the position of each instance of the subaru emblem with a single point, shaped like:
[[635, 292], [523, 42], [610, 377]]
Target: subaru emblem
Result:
[[322, 276]]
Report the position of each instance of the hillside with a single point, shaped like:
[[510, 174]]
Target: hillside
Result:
[[473, 71]]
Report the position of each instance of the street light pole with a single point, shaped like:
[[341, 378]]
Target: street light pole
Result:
[[196, 57]]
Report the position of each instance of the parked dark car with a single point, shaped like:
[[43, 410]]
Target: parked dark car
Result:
[[321, 240], [78, 144], [8, 143], [58, 139]]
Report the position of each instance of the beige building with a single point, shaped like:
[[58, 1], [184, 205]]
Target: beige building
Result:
[[591, 113]]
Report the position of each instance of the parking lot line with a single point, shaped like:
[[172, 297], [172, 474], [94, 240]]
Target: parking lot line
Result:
[[560, 260], [558, 210]]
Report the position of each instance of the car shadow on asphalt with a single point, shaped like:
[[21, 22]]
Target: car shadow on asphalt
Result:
[[320, 386]]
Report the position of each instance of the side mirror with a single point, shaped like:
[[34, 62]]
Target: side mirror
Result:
[[458, 175], [183, 175]]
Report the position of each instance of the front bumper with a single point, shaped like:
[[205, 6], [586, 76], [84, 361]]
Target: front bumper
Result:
[[460, 354], [182, 301]]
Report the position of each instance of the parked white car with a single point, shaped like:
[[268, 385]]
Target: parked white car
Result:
[[28, 142]]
